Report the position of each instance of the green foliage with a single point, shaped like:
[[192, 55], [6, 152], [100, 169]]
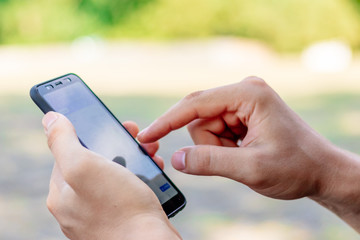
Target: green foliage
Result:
[[287, 25], [61, 20], [356, 3], [284, 24], [41, 20], [110, 12]]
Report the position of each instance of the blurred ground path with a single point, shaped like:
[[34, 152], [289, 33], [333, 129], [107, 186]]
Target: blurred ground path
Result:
[[217, 208], [174, 68]]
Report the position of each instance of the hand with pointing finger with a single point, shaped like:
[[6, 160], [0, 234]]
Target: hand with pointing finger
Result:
[[247, 133]]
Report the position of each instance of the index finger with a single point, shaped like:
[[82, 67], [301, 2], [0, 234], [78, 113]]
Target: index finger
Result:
[[202, 104]]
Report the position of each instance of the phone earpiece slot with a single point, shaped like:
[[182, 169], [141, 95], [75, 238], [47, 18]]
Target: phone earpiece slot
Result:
[[49, 87]]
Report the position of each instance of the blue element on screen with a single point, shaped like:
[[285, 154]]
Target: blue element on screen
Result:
[[165, 187]]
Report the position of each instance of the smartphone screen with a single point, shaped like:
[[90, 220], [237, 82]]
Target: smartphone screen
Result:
[[100, 131]]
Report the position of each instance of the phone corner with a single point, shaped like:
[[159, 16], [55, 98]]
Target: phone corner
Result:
[[34, 93]]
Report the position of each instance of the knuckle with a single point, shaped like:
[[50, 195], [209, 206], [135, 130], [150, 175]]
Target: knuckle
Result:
[[258, 88], [193, 95], [256, 81], [51, 205], [67, 229], [56, 133], [52, 137], [203, 163]]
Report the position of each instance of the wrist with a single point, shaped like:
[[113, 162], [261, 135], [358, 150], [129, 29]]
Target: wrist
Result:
[[145, 226], [339, 185]]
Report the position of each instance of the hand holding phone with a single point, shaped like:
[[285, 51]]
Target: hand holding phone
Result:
[[100, 131], [94, 198]]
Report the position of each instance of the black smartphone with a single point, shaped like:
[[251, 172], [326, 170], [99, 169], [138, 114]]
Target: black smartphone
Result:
[[100, 131]]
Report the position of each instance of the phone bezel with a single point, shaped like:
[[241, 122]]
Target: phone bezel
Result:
[[173, 205]]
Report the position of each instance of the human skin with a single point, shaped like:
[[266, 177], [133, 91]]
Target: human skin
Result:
[[247, 133], [278, 155], [94, 198]]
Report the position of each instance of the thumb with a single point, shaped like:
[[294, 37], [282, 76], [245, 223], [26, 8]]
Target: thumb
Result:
[[230, 162], [62, 139], [79, 167]]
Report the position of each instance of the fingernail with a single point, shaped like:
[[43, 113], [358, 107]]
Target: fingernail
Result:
[[48, 120], [178, 160]]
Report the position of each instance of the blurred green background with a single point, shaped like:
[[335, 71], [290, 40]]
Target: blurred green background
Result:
[[285, 25], [141, 57]]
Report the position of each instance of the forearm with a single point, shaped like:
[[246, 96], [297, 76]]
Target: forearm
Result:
[[339, 188]]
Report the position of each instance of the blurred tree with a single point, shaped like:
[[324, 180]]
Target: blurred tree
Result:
[[2, 3], [286, 25], [59, 20], [356, 3], [111, 12]]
